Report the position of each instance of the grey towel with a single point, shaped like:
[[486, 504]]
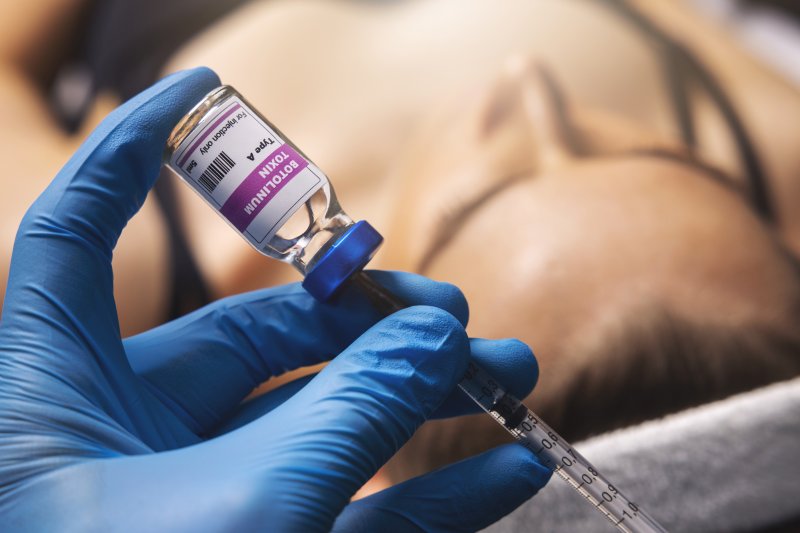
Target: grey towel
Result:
[[729, 466]]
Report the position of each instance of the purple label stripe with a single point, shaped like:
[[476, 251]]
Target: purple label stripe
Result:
[[206, 133], [262, 185]]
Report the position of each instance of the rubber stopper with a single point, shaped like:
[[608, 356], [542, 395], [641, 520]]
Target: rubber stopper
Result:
[[349, 254]]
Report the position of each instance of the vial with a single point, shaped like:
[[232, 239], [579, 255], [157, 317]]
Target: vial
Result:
[[268, 191], [285, 207]]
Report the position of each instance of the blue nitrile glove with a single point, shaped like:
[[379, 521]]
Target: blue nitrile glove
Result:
[[149, 434]]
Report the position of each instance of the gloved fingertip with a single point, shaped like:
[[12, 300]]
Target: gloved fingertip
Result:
[[422, 350], [526, 357], [202, 75], [436, 322], [204, 72], [458, 307], [536, 473], [432, 330], [465, 496], [509, 360], [519, 469], [419, 290]]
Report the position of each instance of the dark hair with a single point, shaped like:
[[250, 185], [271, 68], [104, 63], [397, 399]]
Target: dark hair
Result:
[[660, 363], [653, 362], [647, 365]]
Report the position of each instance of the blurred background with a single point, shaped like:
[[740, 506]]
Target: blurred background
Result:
[[615, 182]]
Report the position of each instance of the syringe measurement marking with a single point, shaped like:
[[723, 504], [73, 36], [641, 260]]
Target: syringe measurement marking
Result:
[[587, 478], [606, 512], [557, 468], [530, 431], [552, 451]]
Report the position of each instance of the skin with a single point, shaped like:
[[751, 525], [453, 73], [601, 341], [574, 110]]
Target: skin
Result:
[[35, 35], [652, 212], [596, 64], [602, 64], [617, 233], [404, 139], [669, 249]]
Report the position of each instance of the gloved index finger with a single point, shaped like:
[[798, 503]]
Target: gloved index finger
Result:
[[341, 427], [418, 290], [204, 364]]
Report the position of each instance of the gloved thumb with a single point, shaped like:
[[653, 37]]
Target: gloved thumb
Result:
[[334, 434], [106, 181], [59, 302]]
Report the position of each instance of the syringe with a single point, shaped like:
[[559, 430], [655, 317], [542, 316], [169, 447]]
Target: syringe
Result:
[[285, 207], [532, 433]]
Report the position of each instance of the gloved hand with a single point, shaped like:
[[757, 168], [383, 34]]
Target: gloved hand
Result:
[[149, 433]]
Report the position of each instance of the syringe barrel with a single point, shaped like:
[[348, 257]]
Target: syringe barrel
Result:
[[532, 433]]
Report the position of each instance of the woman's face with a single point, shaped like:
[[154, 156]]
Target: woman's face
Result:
[[562, 223]]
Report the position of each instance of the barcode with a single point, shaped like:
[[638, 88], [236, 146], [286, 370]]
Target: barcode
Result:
[[219, 167]]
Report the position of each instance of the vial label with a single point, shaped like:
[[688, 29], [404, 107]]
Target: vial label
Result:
[[253, 177]]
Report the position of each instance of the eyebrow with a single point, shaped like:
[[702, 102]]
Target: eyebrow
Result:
[[716, 174], [448, 227]]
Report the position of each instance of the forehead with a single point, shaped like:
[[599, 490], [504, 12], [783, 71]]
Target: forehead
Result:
[[618, 199], [605, 231], [646, 186]]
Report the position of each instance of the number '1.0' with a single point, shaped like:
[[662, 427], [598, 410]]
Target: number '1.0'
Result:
[[529, 430], [555, 453]]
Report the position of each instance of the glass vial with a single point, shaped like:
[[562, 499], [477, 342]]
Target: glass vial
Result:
[[256, 179]]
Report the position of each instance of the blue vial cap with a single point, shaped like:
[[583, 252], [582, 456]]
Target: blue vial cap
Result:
[[347, 256]]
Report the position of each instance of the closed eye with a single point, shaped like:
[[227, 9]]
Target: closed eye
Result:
[[456, 216]]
